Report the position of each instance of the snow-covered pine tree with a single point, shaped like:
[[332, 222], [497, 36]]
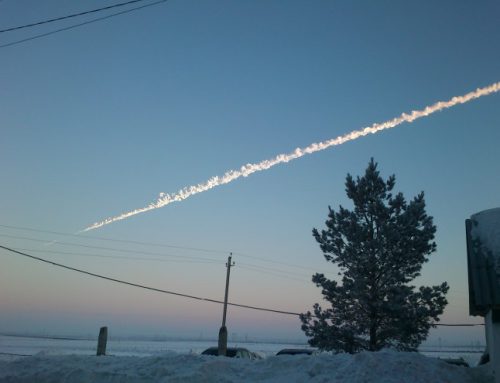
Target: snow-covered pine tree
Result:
[[379, 248]]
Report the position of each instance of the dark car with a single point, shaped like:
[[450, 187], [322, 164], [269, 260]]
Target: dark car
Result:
[[232, 352], [297, 351]]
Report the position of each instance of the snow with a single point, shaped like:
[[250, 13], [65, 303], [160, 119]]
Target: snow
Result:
[[30, 345], [384, 366]]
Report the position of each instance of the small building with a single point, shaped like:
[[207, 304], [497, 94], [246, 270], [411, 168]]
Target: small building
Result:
[[483, 263]]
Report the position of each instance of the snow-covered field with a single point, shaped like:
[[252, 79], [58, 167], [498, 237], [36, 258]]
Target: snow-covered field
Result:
[[25, 345], [386, 366], [168, 361]]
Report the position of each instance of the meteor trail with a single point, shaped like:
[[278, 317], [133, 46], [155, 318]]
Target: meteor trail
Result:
[[231, 175]]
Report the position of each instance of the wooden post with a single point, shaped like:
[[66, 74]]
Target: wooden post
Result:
[[101, 342], [223, 330], [222, 341]]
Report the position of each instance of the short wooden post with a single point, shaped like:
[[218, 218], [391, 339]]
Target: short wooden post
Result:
[[101, 342], [222, 341]]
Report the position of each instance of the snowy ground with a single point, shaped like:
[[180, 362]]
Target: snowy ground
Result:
[[26, 345], [65, 360], [385, 366]]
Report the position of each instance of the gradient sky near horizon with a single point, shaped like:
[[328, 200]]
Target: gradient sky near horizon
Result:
[[98, 120]]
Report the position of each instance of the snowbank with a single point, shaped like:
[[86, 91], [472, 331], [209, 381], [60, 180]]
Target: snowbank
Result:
[[385, 366]]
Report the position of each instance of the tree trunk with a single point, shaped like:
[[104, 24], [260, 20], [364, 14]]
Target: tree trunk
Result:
[[373, 337]]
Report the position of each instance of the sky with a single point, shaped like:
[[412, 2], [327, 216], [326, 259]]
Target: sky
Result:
[[98, 120]]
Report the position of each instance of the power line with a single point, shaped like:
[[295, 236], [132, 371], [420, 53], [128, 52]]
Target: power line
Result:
[[146, 287], [190, 259], [250, 266], [187, 295], [33, 336], [306, 277], [275, 262], [246, 266], [262, 259], [119, 257], [269, 273], [459, 324], [11, 354], [115, 240], [69, 16], [80, 24], [110, 248]]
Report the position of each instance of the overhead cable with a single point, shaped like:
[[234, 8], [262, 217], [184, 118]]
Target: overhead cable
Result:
[[111, 248], [80, 24], [69, 16], [146, 287], [183, 258], [459, 324], [84, 236], [187, 295], [22, 228], [121, 257]]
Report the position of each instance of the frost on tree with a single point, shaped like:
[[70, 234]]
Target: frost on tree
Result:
[[379, 247]]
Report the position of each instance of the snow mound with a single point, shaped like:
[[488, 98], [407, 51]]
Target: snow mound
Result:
[[366, 367]]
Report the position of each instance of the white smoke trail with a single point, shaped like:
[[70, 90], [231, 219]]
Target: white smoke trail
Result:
[[246, 170]]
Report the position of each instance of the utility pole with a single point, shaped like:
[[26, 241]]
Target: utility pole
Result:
[[223, 329]]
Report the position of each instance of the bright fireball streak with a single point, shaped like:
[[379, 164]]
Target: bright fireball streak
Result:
[[231, 175]]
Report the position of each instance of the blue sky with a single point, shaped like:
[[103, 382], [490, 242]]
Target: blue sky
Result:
[[99, 120]]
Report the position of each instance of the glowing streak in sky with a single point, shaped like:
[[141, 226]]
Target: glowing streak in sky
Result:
[[231, 175]]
